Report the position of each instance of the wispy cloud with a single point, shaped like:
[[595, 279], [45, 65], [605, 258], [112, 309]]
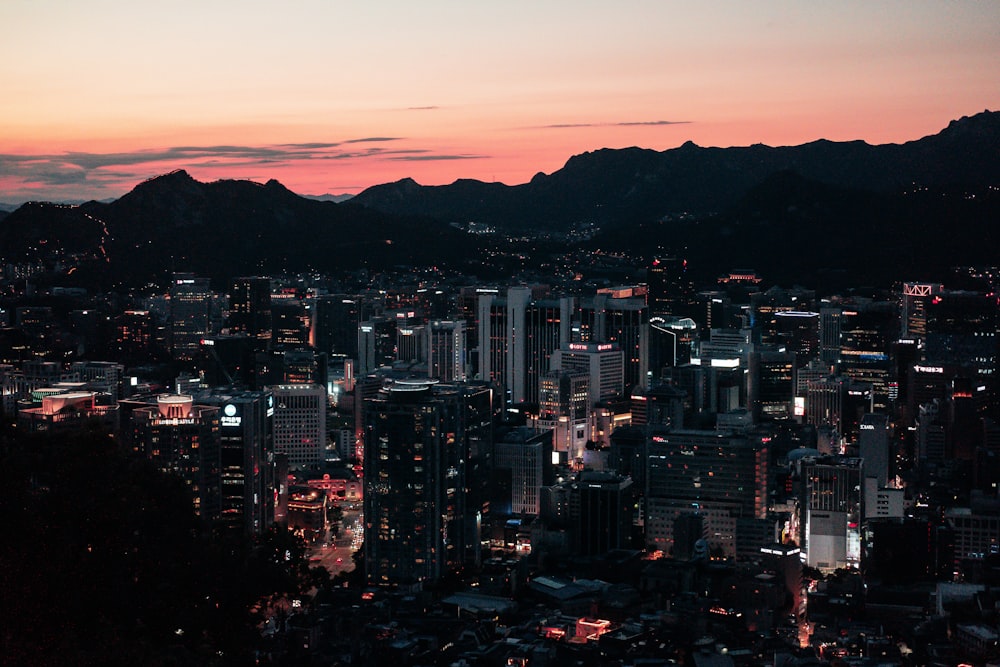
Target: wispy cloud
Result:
[[424, 157], [367, 140], [632, 123], [429, 108], [99, 174]]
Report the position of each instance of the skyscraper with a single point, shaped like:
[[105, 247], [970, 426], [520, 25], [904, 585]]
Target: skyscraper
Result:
[[250, 308], [300, 423], [446, 350], [182, 439], [419, 443], [190, 314]]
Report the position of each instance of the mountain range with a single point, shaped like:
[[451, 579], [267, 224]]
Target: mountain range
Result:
[[862, 212]]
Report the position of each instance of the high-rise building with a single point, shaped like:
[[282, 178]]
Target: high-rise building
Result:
[[250, 308], [191, 301], [721, 476], [522, 452], [134, 335], [832, 511], [916, 297], [601, 512], [602, 362], [446, 350], [622, 321], [670, 289], [517, 336], [564, 407], [336, 318], [290, 322], [420, 514], [873, 446], [300, 423], [182, 439], [247, 460], [829, 334], [772, 385], [376, 343]]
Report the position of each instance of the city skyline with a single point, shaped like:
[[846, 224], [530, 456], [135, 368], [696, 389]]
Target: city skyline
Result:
[[333, 100]]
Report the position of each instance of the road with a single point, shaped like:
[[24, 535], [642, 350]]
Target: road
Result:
[[335, 554]]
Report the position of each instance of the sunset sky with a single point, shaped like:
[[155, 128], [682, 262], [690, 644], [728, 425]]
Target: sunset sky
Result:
[[332, 97]]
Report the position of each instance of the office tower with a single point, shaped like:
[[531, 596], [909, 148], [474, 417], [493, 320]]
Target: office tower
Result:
[[829, 334], [376, 344], [772, 385], [916, 297], [190, 314], [825, 403], [336, 318], [722, 476], [962, 331], [411, 343], [602, 362], [832, 511], [691, 379], [300, 423], [446, 350], [671, 343], [628, 454], [670, 288], [246, 453], [564, 407], [798, 331], [622, 321], [765, 306], [601, 504], [419, 440], [522, 453], [547, 327], [517, 337], [873, 446], [229, 360], [298, 366], [931, 447], [289, 323], [867, 332], [182, 439], [660, 405], [250, 308], [134, 336]]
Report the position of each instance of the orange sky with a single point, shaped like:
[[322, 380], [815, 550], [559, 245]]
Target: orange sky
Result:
[[97, 96]]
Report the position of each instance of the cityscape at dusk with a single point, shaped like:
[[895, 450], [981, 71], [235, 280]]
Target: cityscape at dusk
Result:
[[500, 335], [333, 98]]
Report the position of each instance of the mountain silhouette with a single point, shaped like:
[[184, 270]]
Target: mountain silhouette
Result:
[[219, 229], [834, 212], [621, 185]]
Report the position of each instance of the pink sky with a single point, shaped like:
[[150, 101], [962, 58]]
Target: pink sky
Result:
[[98, 96]]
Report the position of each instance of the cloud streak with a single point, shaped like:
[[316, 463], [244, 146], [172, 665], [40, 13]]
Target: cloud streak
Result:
[[35, 172], [634, 123]]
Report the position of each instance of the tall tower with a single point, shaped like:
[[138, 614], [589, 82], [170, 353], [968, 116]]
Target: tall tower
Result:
[[182, 439], [190, 314], [419, 441], [300, 423], [250, 308], [446, 350], [916, 297], [246, 448]]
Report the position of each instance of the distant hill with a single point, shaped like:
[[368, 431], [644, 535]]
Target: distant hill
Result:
[[221, 229], [612, 186], [825, 213]]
